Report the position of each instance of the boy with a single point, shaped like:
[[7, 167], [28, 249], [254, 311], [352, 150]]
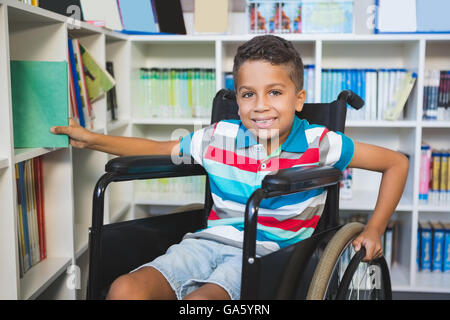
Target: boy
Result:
[[268, 74]]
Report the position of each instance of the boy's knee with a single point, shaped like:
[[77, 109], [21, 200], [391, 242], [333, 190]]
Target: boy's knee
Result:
[[125, 288]]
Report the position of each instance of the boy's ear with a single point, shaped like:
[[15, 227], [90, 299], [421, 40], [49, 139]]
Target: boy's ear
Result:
[[301, 98]]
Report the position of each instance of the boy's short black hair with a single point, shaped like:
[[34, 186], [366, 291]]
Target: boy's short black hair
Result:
[[273, 49]]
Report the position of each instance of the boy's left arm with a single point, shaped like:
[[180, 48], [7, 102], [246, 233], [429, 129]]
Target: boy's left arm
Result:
[[394, 168]]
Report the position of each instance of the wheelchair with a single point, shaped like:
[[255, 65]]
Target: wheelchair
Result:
[[323, 266]]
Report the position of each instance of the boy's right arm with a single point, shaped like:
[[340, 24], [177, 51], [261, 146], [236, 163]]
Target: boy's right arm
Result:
[[80, 137]]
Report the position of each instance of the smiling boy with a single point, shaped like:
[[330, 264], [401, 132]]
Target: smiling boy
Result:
[[268, 75]]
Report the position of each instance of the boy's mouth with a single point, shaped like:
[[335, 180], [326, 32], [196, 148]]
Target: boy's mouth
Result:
[[264, 123]]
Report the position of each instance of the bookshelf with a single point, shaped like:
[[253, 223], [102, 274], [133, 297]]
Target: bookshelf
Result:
[[32, 33]]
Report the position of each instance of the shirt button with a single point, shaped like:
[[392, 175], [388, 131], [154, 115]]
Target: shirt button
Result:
[[263, 166]]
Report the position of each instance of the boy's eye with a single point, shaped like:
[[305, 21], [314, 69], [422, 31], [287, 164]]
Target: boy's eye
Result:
[[247, 94], [275, 92]]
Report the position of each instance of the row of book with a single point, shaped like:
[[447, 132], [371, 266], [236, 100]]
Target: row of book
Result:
[[434, 183], [34, 3], [184, 185], [31, 215], [385, 91], [179, 93], [433, 246], [389, 239], [308, 82], [88, 81], [291, 16], [436, 95]]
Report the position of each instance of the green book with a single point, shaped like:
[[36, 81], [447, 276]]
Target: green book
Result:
[[40, 101]]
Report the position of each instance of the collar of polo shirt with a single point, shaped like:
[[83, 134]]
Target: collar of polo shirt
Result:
[[296, 141]]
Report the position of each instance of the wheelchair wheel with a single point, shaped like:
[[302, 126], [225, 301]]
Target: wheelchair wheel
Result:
[[341, 274]]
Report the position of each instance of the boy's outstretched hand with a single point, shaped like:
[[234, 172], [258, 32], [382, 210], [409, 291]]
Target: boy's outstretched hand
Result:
[[79, 137]]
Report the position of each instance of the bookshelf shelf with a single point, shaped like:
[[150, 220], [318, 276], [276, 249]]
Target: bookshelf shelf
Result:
[[430, 208], [42, 275], [31, 33], [436, 124], [23, 154], [435, 282]]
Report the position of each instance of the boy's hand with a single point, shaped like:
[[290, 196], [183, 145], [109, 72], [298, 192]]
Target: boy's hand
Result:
[[79, 137], [370, 238]]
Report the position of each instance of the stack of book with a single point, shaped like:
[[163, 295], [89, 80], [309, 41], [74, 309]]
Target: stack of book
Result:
[[433, 247], [308, 82], [88, 81], [176, 93], [385, 91], [434, 186], [436, 95], [30, 210]]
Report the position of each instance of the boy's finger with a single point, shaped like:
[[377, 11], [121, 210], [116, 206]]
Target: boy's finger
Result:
[[59, 130]]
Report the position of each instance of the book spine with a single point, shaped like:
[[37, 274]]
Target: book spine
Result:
[[446, 250], [426, 248], [424, 174], [75, 84], [438, 244]]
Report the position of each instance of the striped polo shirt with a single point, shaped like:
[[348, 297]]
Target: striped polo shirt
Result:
[[236, 165]]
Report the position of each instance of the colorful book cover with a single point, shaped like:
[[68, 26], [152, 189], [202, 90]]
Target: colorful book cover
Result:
[[98, 80], [40, 101]]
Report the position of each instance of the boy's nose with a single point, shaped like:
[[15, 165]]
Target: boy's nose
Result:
[[262, 105]]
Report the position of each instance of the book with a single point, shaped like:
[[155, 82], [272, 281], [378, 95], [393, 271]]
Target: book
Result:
[[111, 99], [97, 80], [138, 16], [105, 11], [402, 92], [25, 229], [40, 101], [446, 249], [211, 16], [387, 16], [64, 7], [75, 88], [425, 246], [170, 16], [438, 245], [39, 193], [87, 107]]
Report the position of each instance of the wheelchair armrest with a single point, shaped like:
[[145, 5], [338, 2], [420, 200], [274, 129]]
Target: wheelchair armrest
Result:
[[298, 179], [154, 164]]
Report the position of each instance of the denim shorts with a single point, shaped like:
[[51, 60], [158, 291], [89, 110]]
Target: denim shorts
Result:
[[193, 262]]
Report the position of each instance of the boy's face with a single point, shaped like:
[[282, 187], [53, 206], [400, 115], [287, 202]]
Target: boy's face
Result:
[[267, 100]]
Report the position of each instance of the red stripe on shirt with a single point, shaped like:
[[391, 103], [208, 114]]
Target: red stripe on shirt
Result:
[[289, 224], [310, 156], [232, 159]]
